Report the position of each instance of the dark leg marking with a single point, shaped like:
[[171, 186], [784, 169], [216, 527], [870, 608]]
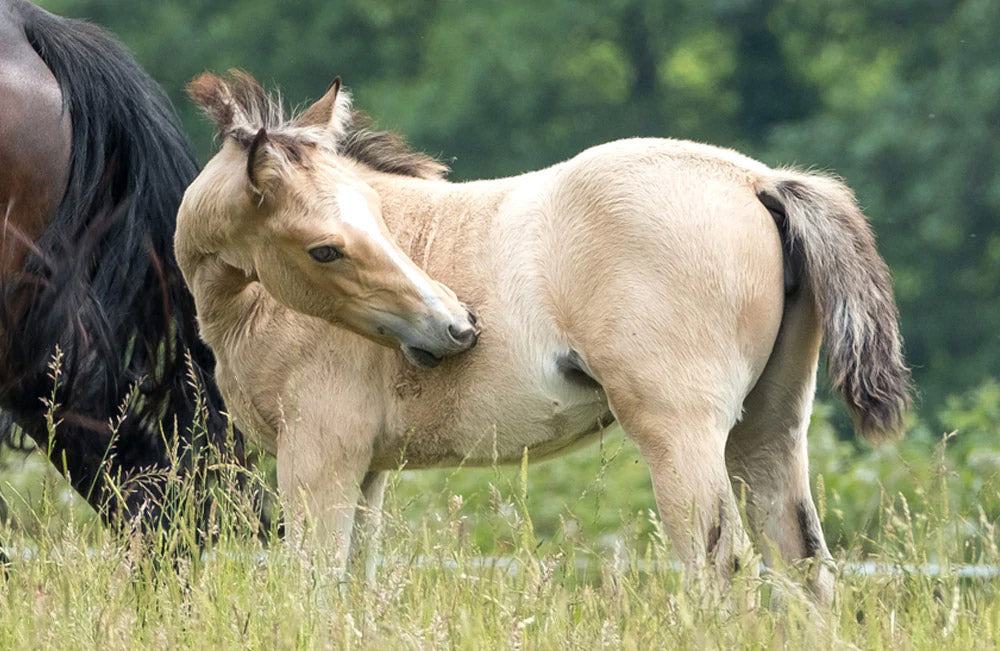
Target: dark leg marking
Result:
[[573, 368], [810, 527], [715, 533]]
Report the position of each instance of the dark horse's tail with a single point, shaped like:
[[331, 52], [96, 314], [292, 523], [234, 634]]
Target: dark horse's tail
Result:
[[105, 288]]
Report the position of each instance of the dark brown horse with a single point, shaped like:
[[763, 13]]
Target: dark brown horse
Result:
[[93, 165]]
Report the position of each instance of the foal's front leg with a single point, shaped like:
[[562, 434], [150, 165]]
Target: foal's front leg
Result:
[[365, 544], [319, 479]]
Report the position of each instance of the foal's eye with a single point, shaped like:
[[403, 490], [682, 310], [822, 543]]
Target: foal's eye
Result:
[[325, 254]]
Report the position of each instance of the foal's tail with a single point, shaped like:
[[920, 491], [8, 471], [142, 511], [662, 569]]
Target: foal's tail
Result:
[[826, 236]]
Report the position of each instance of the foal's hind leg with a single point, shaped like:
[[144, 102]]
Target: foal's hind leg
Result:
[[681, 429], [766, 451]]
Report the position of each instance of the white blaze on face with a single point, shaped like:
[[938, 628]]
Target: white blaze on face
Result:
[[354, 210]]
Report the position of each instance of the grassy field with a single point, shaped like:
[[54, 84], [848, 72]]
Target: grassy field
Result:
[[562, 554]]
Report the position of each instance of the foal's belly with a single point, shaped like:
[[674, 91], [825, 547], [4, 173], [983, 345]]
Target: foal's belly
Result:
[[576, 407], [548, 408]]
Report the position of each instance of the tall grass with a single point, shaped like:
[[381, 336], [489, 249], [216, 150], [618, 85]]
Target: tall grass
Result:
[[564, 554]]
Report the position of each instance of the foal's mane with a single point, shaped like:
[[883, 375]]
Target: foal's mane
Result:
[[240, 108]]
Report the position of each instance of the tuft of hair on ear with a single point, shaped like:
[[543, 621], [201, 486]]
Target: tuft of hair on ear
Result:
[[238, 104], [212, 95]]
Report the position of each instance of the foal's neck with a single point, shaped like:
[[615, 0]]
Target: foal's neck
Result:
[[424, 214], [410, 207]]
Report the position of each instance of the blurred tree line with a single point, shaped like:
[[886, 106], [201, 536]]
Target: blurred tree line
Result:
[[900, 97]]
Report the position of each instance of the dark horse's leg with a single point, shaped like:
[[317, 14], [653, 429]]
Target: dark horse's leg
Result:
[[98, 287]]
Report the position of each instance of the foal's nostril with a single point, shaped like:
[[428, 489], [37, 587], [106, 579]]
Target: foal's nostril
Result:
[[464, 335]]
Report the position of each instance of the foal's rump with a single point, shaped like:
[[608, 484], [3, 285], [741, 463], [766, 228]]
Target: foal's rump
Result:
[[687, 252], [664, 271]]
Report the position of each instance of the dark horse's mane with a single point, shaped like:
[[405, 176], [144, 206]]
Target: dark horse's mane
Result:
[[104, 286]]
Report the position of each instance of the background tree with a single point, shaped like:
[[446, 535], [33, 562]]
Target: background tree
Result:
[[900, 98]]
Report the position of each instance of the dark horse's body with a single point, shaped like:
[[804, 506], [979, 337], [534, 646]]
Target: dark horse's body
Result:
[[93, 166]]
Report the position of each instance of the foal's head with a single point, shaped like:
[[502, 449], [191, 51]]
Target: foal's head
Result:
[[282, 203]]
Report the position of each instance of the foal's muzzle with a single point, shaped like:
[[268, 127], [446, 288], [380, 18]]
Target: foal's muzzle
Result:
[[428, 346]]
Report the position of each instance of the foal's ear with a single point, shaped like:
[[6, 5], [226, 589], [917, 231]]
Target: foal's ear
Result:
[[264, 166], [332, 111]]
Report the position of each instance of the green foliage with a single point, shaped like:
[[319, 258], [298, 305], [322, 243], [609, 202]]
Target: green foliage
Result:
[[591, 493], [910, 119]]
